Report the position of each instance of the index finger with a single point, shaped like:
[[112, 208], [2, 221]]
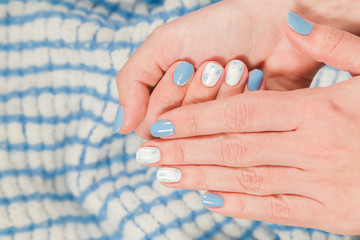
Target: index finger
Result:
[[249, 112]]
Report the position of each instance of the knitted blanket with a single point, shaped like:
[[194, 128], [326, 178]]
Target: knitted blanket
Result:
[[63, 174]]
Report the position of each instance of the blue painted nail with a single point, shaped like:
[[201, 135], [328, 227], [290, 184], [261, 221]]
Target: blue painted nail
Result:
[[183, 73], [255, 79], [119, 119], [162, 128], [298, 24], [212, 200]]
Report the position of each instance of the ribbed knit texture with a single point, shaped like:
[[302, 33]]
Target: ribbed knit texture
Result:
[[63, 174]]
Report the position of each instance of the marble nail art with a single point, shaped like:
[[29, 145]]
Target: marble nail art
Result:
[[168, 175], [234, 72], [148, 155], [211, 74]]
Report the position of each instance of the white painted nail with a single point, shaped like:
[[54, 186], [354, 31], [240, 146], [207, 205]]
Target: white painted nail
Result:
[[168, 175], [148, 155], [234, 72], [211, 74]]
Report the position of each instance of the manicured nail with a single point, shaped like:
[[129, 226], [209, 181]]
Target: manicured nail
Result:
[[255, 79], [162, 128], [119, 119], [168, 175], [234, 72], [148, 155], [298, 24], [183, 73], [212, 200], [211, 74]]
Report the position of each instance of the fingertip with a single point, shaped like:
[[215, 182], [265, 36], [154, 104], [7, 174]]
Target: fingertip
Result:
[[236, 70], [255, 80], [298, 24]]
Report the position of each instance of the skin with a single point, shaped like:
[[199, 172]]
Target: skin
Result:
[[256, 38], [299, 166], [167, 95]]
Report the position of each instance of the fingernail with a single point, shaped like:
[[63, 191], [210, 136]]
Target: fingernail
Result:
[[183, 73], [119, 119], [162, 128], [234, 72], [211, 74], [299, 24], [148, 155], [212, 200], [255, 79], [168, 175]]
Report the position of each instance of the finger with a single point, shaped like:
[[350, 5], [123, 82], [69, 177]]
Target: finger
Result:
[[168, 94], [231, 150], [279, 209], [255, 81], [206, 83], [235, 80], [134, 82], [325, 44], [248, 112], [254, 180]]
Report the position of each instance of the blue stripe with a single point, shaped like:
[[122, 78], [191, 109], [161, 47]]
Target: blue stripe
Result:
[[52, 67], [72, 7], [36, 197], [43, 173], [216, 229], [61, 44], [90, 189], [48, 224], [25, 146], [112, 24], [178, 222], [76, 116], [248, 233], [35, 92]]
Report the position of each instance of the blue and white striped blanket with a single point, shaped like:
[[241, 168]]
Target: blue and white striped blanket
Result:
[[63, 174]]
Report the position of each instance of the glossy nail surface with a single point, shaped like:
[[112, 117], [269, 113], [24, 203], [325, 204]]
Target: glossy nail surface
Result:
[[212, 200], [162, 128], [234, 72], [148, 155], [211, 74], [255, 79], [168, 175], [299, 24], [119, 119], [183, 73]]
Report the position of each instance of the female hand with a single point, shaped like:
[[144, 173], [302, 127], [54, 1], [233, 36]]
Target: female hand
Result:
[[289, 158], [231, 29]]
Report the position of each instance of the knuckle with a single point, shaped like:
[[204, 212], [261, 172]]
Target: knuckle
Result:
[[179, 156], [235, 115], [333, 40], [321, 107], [191, 123], [278, 207], [232, 151], [250, 180]]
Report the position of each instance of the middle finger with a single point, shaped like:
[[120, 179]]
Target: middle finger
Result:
[[231, 150]]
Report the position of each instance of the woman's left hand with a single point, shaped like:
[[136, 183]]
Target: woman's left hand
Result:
[[290, 158]]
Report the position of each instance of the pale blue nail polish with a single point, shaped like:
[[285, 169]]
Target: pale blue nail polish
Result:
[[119, 119], [298, 24], [255, 79], [212, 200], [183, 73], [162, 128]]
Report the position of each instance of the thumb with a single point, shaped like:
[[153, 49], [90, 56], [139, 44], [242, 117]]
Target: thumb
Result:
[[325, 44]]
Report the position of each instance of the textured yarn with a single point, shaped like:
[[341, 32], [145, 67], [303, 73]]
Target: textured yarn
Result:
[[63, 174]]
